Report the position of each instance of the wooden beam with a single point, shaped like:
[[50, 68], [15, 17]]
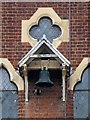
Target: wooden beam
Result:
[[63, 81], [43, 56], [37, 64]]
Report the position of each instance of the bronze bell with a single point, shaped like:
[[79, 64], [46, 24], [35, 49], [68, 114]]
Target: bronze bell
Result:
[[44, 79]]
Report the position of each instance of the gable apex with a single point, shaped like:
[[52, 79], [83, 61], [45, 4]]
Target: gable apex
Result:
[[36, 48]]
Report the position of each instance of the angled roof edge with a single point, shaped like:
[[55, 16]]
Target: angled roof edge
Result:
[[37, 46], [60, 56]]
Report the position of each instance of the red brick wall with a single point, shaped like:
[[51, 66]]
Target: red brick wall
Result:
[[14, 13], [49, 103], [75, 50], [21, 104], [79, 37], [69, 105]]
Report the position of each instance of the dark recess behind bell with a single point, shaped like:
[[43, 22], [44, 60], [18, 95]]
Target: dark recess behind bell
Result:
[[33, 75]]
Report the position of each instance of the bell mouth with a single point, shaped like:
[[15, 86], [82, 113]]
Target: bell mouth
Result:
[[44, 84]]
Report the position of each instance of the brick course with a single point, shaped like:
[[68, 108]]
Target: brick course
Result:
[[79, 46]]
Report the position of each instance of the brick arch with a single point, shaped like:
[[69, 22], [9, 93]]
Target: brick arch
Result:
[[76, 76], [14, 77]]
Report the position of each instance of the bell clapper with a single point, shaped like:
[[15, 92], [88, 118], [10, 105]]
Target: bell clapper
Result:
[[37, 91]]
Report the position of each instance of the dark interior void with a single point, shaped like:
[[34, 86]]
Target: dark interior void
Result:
[[55, 75]]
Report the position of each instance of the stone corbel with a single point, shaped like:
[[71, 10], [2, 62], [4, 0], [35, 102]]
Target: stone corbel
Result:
[[26, 82], [63, 80]]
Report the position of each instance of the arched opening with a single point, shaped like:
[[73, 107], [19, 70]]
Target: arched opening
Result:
[[8, 95], [82, 96]]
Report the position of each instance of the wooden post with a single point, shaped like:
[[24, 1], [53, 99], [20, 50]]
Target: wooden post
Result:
[[26, 82], [63, 81]]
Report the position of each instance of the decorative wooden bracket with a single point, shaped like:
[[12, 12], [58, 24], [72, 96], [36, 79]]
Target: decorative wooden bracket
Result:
[[63, 80], [26, 82]]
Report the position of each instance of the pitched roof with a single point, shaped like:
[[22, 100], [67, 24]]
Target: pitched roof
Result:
[[40, 44]]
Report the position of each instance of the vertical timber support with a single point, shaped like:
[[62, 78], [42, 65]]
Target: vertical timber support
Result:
[[63, 80], [26, 82]]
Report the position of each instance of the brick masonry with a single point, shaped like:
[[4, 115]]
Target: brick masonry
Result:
[[79, 47], [49, 103], [21, 104]]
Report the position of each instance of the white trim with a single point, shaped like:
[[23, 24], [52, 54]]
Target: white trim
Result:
[[43, 55], [27, 56], [37, 46], [76, 76], [60, 56], [14, 77], [26, 82], [63, 80]]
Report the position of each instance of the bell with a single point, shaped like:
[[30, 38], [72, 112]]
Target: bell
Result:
[[44, 79]]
